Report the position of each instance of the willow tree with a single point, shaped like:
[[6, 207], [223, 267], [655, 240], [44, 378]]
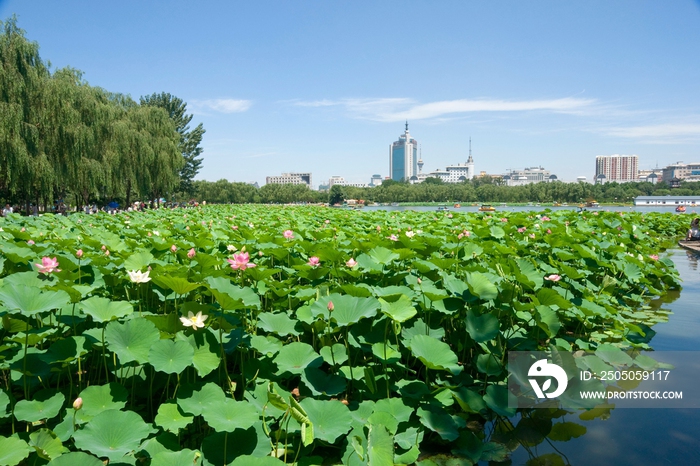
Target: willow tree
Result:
[[190, 140], [23, 77]]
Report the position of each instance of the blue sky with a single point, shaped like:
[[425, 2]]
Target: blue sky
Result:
[[325, 86]]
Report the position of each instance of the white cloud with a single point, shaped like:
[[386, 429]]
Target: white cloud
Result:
[[398, 109], [222, 105]]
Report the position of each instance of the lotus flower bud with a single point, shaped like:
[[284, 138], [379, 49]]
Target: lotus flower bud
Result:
[[191, 253], [79, 253], [330, 306], [78, 403]]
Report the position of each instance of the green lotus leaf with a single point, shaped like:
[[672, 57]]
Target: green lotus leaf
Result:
[[231, 297], [171, 418], [267, 345], [98, 398], [497, 232], [132, 339], [193, 401], [438, 420], [171, 357], [180, 286], [76, 459], [380, 446], [334, 355], [227, 415], [247, 460], [31, 300], [488, 364], [435, 354], [46, 444], [547, 320], [68, 349], [330, 418], [483, 327], [185, 457], [400, 310], [138, 260], [104, 309], [347, 310], [396, 407], [549, 297], [35, 410], [383, 255], [30, 279], [206, 351], [112, 434], [4, 404], [297, 356], [496, 398], [13, 451], [481, 287], [278, 323]]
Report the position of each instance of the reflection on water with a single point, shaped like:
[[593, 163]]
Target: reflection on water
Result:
[[633, 437]]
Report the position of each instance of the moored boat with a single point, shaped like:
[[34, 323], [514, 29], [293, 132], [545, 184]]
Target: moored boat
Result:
[[486, 208], [690, 245], [680, 208]]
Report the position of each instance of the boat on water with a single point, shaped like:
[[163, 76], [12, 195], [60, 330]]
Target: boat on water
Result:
[[457, 206], [443, 208], [690, 245], [487, 208], [592, 204], [680, 208]]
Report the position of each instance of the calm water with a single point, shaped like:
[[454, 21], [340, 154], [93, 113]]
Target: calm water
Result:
[[499, 208], [646, 437]]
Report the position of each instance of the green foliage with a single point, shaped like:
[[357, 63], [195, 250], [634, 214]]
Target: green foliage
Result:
[[369, 364]]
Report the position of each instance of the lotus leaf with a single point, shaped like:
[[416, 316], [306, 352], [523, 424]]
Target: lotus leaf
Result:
[[481, 286], [435, 354], [330, 419], [178, 285], [483, 327], [132, 339], [171, 418], [206, 351], [112, 434], [105, 310], [31, 300], [400, 311], [36, 410], [46, 444], [297, 356], [76, 459], [13, 451], [278, 323], [380, 446], [4, 403], [98, 398], [138, 260], [247, 460], [171, 357], [439, 421], [194, 401]]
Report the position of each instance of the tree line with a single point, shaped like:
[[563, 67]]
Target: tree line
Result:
[[61, 138], [479, 190]]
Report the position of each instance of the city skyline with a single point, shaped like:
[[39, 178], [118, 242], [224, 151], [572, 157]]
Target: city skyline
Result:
[[295, 86]]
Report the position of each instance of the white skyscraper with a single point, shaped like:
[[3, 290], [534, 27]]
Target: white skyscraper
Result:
[[403, 157]]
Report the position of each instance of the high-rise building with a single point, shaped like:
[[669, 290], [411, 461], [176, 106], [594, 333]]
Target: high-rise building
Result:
[[619, 168], [403, 158]]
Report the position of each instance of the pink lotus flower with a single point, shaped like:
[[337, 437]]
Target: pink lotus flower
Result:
[[553, 278], [30, 242], [240, 261], [532, 235], [173, 248], [191, 253], [79, 253], [504, 219], [654, 257], [544, 218], [328, 221], [460, 236], [549, 232], [393, 238], [313, 261], [288, 234], [467, 233], [351, 263], [234, 227], [106, 252], [521, 229], [48, 265]]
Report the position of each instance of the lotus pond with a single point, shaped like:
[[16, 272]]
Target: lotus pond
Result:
[[257, 335]]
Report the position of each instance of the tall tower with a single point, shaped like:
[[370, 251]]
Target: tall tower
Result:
[[420, 161], [403, 157], [470, 162]]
